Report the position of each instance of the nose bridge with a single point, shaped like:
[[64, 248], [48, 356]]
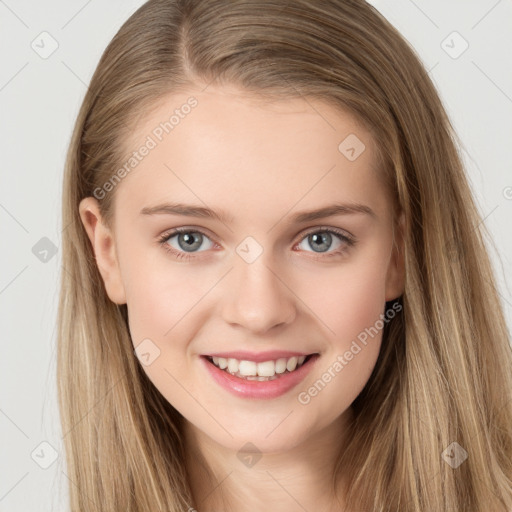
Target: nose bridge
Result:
[[255, 297]]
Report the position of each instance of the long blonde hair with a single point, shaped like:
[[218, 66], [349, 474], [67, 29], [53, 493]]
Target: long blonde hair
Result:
[[443, 374]]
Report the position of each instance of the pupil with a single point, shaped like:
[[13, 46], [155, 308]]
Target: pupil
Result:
[[190, 242], [324, 240]]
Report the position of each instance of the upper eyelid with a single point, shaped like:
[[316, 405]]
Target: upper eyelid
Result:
[[336, 231]]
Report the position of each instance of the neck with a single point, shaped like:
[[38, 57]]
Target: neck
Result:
[[299, 479]]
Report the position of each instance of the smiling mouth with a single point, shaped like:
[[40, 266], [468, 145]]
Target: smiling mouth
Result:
[[263, 371]]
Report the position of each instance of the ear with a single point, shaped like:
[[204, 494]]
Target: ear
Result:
[[395, 279], [103, 245]]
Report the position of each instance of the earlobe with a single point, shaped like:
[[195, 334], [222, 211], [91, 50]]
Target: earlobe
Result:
[[104, 249], [396, 270]]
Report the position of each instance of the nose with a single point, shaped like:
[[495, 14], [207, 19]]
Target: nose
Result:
[[256, 297]]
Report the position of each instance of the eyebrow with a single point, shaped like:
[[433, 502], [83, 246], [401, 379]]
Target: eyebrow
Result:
[[224, 217]]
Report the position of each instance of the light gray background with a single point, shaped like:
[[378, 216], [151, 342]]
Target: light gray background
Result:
[[39, 100]]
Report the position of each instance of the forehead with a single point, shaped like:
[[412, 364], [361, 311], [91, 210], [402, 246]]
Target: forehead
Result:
[[229, 148]]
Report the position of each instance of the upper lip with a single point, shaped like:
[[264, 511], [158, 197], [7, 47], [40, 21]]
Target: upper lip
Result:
[[258, 357]]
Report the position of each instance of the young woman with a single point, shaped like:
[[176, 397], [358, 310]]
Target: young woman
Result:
[[275, 289]]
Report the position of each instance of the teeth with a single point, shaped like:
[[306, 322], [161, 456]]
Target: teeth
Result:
[[233, 365], [281, 365], [291, 364], [258, 371], [266, 369], [247, 368]]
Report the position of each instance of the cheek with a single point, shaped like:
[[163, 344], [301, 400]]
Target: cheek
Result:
[[348, 299], [159, 298], [159, 291], [162, 303], [350, 302]]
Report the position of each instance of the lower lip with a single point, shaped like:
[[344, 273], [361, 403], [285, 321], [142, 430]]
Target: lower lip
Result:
[[259, 389]]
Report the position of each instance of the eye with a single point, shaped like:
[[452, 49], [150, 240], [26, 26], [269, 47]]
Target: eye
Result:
[[186, 241], [321, 240]]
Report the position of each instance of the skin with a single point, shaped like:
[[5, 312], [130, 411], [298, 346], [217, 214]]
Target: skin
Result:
[[261, 163]]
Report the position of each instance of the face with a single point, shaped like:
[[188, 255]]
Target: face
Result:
[[259, 279]]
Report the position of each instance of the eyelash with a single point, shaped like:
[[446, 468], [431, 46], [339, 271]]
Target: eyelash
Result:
[[350, 241]]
